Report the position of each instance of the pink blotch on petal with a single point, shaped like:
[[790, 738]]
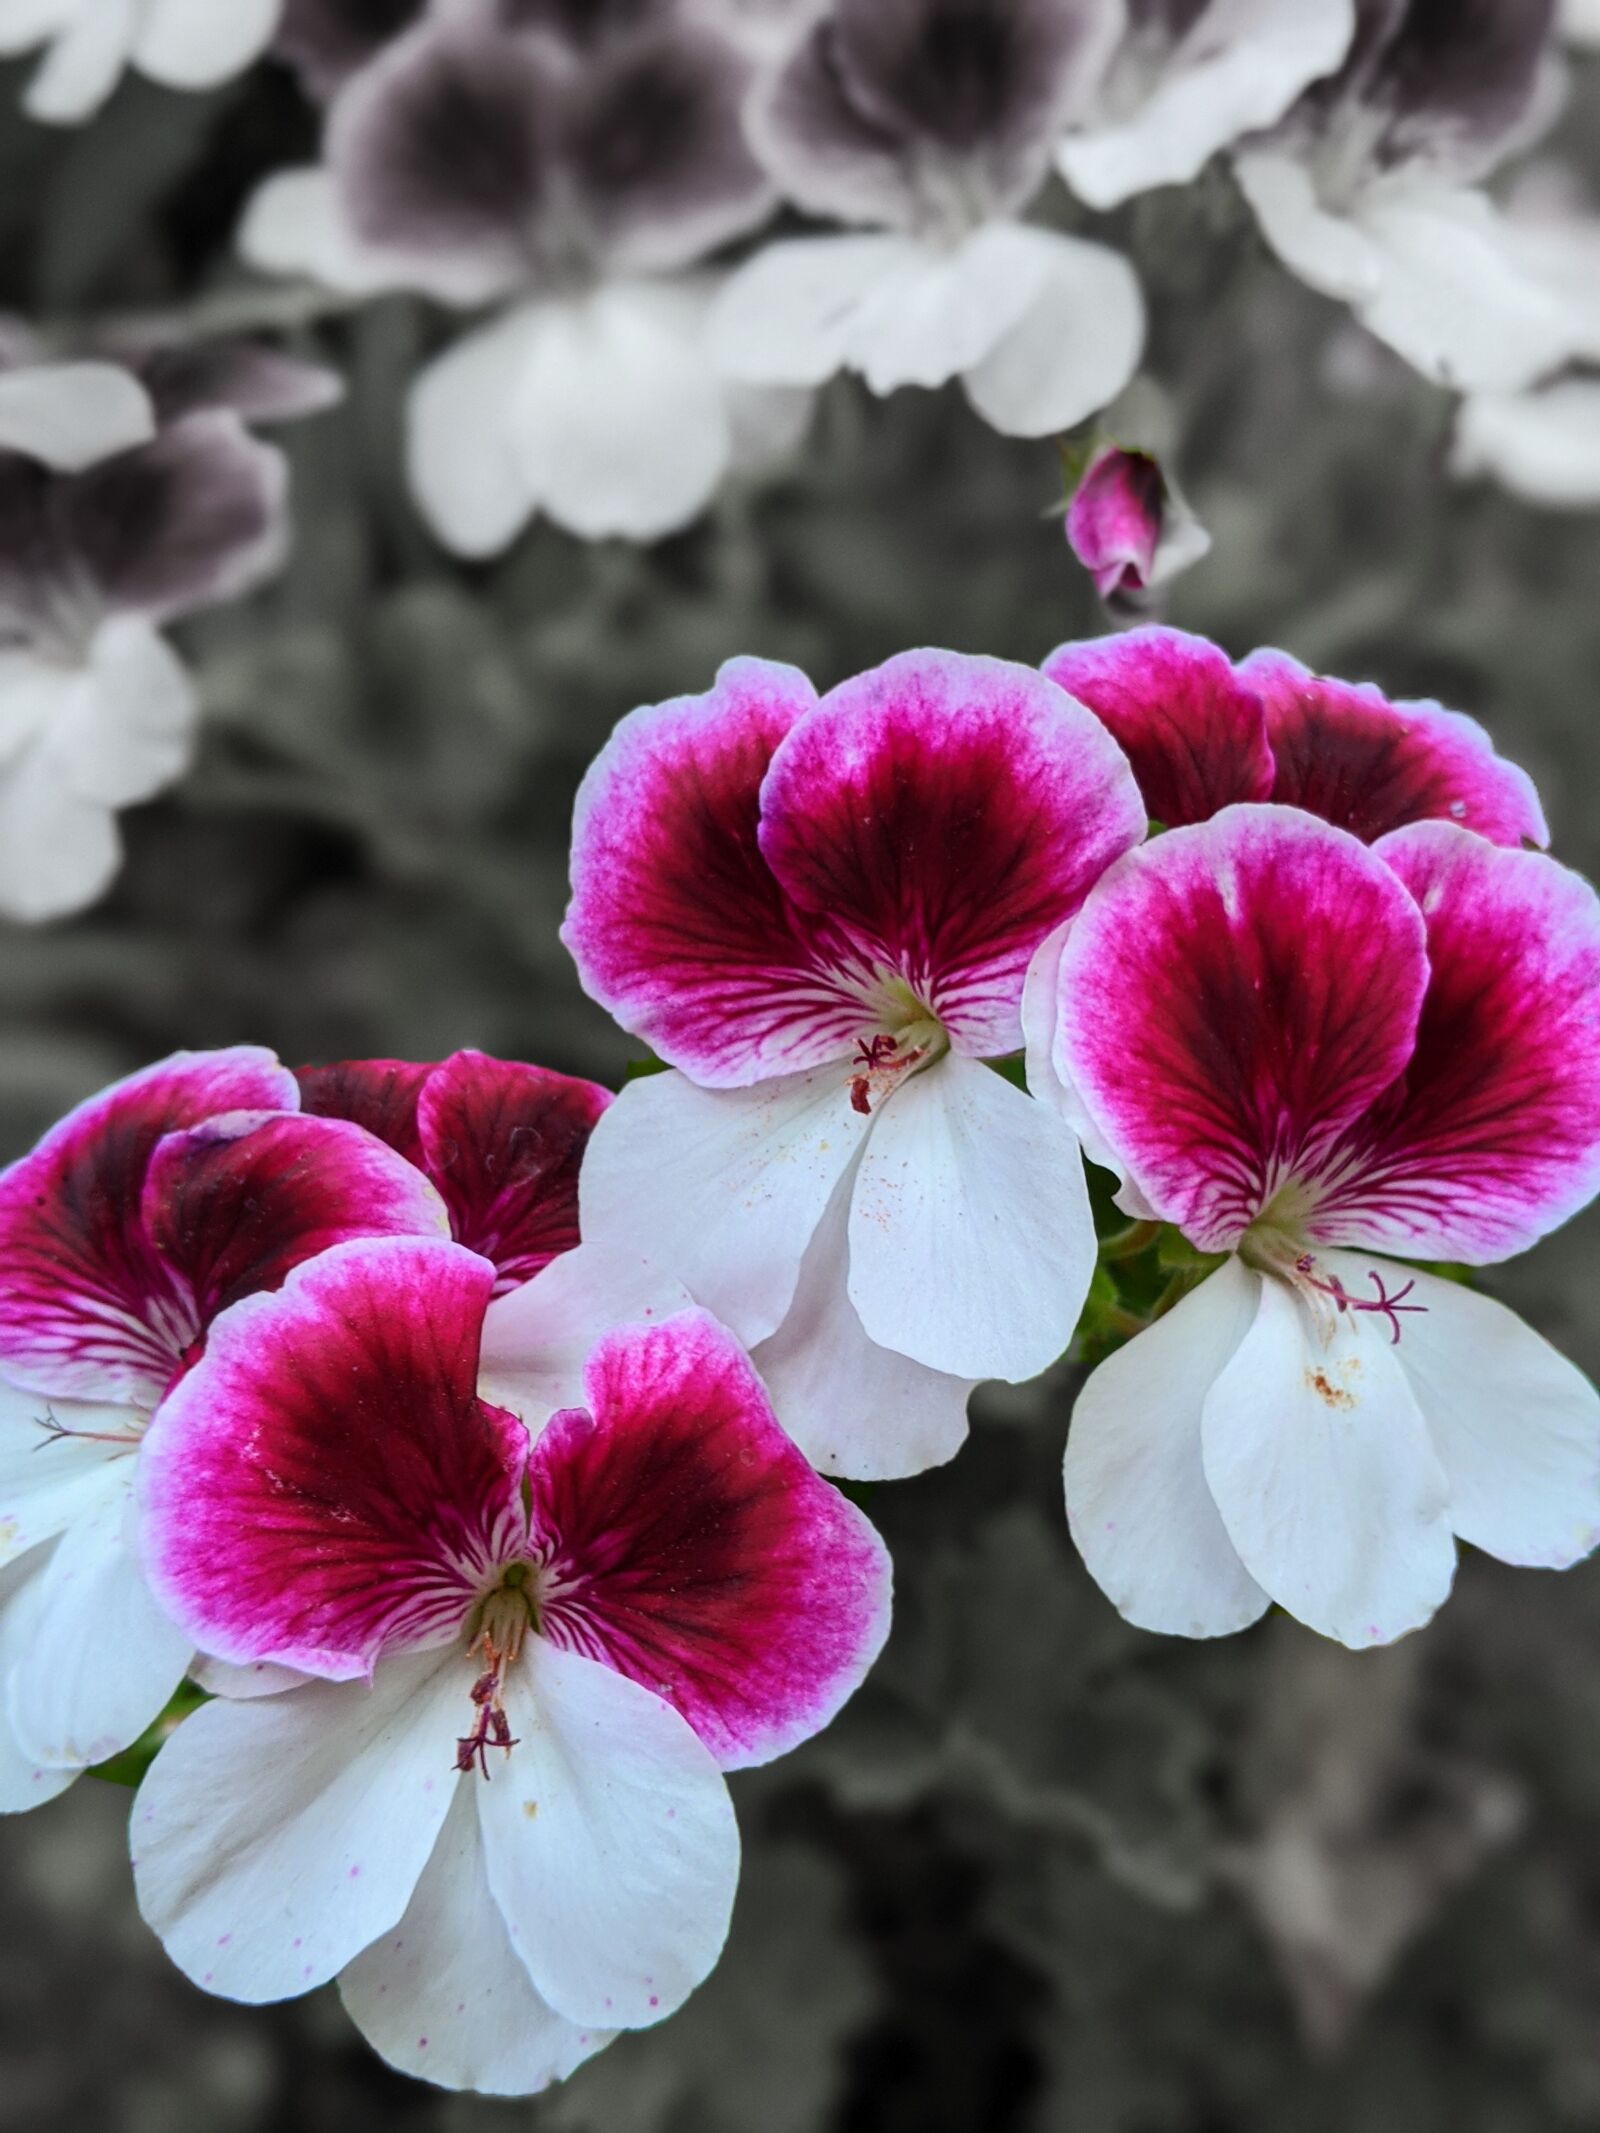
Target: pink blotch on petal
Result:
[[503, 1143], [380, 1094], [694, 1549], [1344, 751], [676, 923], [325, 1485], [937, 817], [87, 1309], [1191, 726], [1233, 998], [1491, 1137]]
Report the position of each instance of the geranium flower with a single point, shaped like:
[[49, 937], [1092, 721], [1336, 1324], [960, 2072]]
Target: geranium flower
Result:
[[1202, 733], [183, 44], [934, 126], [1188, 79], [501, 1143], [1369, 1055], [489, 164], [1366, 190], [134, 1223], [96, 710], [1130, 529], [498, 1816], [821, 914]]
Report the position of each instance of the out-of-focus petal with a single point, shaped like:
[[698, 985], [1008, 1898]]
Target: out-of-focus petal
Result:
[[1074, 348], [71, 414]]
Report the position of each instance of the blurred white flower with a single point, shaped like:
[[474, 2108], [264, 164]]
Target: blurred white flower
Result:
[[1544, 446], [184, 44], [1580, 20]]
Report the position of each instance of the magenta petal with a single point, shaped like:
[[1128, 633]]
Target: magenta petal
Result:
[[1345, 752], [325, 1484], [380, 1094], [1115, 519], [694, 1548], [1233, 997], [676, 923], [86, 1308], [503, 1143], [235, 1205], [1193, 729], [1492, 1137], [939, 816]]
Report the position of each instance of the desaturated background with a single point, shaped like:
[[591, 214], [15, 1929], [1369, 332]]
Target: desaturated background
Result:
[[1047, 1874]]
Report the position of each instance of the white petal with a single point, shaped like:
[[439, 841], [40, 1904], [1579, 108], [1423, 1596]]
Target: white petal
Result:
[[218, 1677], [1328, 1483], [128, 729], [788, 316], [274, 1840], [444, 1996], [58, 851], [1457, 299], [619, 424], [1580, 21], [537, 1338], [852, 1407], [1544, 446], [26, 23], [294, 224], [470, 487], [971, 1240], [1326, 251], [1073, 349], [85, 62], [103, 1660], [193, 44], [943, 309], [1239, 71], [71, 414], [723, 1187], [24, 1781], [1516, 1426], [612, 1848], [50, 1475], [1137, 1500]]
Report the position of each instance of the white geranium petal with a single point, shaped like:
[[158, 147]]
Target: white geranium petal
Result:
[[471, 487], [25, 1782], [788, 316], [1138, 1504], [194, 44], [69, 415], [1072, 350]]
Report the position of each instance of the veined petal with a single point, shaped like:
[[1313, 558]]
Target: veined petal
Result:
[[1491, 1138], [235, 1205], [1073, 349], [1217, 1090], [1048, 1078], [1138, 1504], [102, 1660], [58, 1458], [1515, 1425], [273, 1840], [936, 818], [852, 1407], [676, 922], [380, 1094], [71, 414], [86, 1310], [1343, 751], [537, 1338], [325, 1485], [971, 1240], [727, 1185], [1321, 1464], [1190, 723], [695, 1550], [445, 1996], [502, 1142], [610, 1842]]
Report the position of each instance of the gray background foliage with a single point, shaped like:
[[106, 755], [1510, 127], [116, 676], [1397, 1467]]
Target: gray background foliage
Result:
[[1047, 1874]]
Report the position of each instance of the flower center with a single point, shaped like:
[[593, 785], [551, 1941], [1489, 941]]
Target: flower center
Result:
[[503, 1619], [909, 1035], [1272, 1249]]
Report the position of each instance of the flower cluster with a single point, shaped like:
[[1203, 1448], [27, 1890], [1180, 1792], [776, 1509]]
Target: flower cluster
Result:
[[461, 1434]]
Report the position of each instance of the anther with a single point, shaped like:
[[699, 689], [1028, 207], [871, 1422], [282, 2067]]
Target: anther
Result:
[[1387, 1306]]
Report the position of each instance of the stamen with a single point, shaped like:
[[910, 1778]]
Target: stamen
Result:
[[506, 1616], [1389, 1307], [878, 1055], [54, 1432], [491, 1729]]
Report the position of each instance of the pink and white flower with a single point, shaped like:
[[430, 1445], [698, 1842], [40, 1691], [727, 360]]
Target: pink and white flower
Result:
[[497, 1815], [1130, 529], [1370, 1054], [183, 44], [139, 1219], [1202, 733], [821, 914]]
